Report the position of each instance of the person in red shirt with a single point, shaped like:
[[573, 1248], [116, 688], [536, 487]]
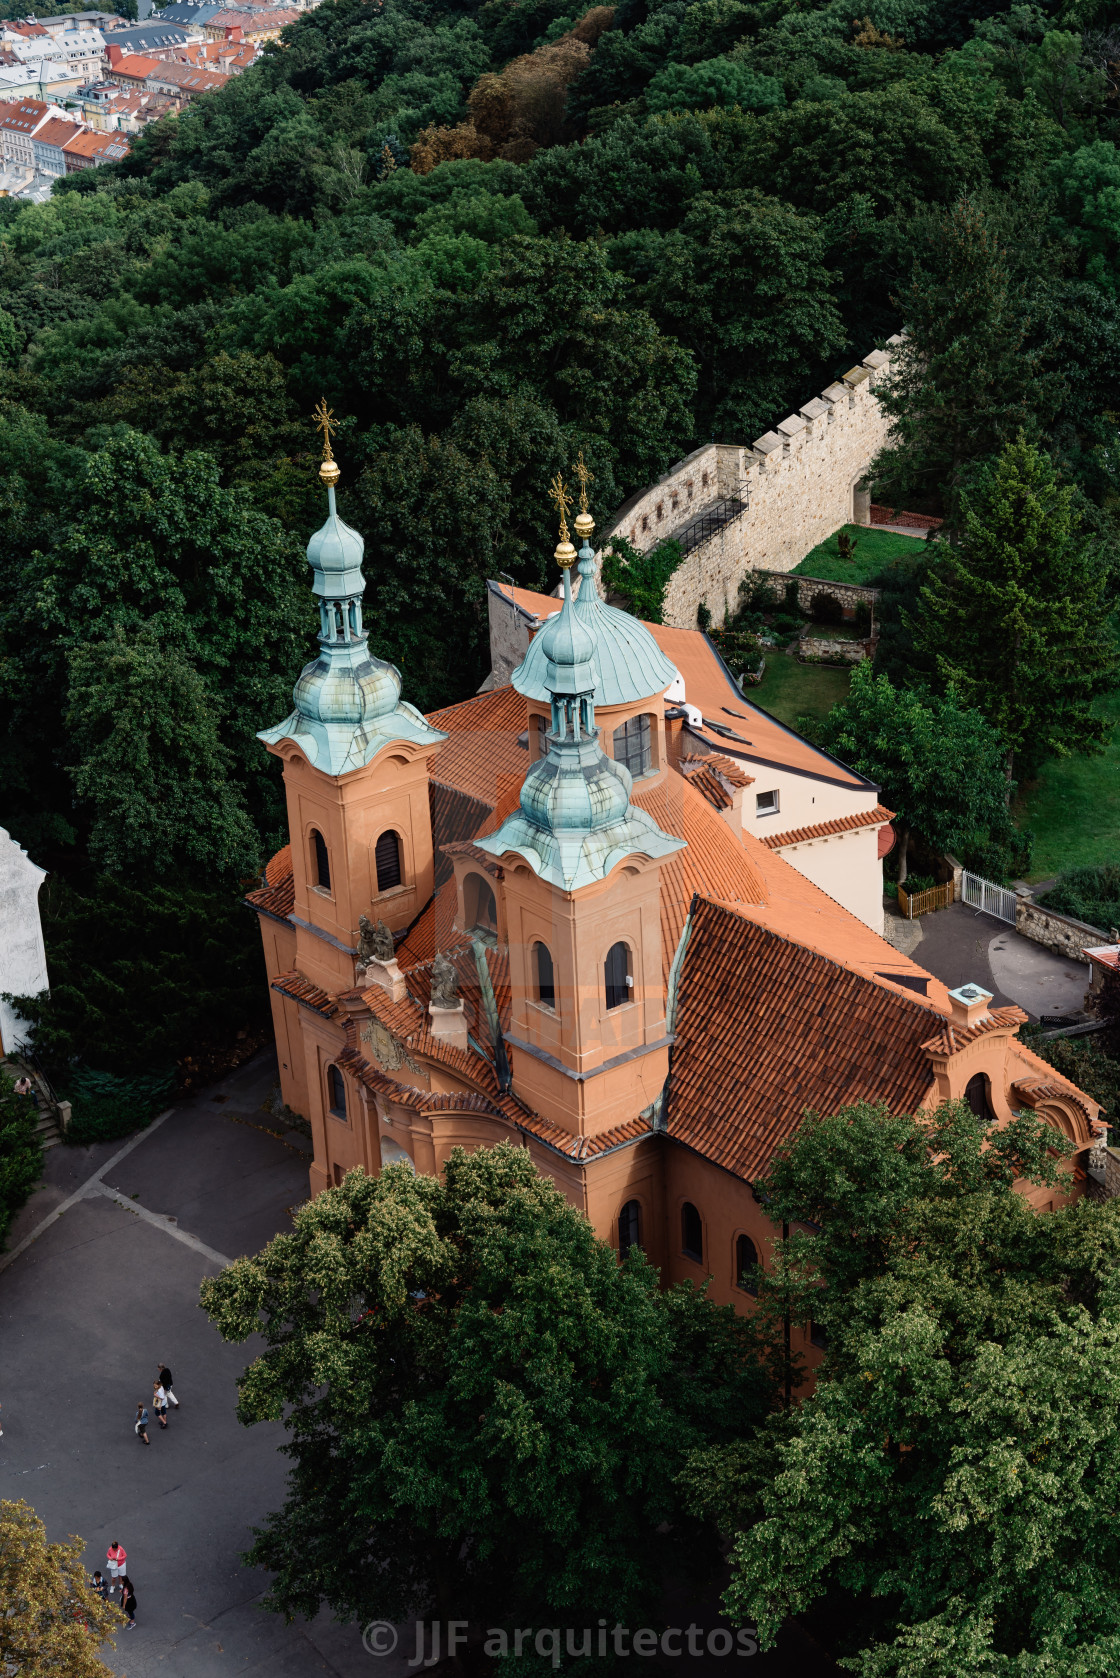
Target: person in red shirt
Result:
[[115, 1558]]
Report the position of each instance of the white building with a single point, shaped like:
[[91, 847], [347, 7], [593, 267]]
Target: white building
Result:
[[23, 958]]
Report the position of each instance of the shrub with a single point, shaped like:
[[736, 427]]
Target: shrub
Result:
[[640, 579], [105, 1106], [826, 608], [1087, 894], [21, 1157]]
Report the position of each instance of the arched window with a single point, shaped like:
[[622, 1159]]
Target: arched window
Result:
[[629, 1228], [393, 1154], [387, 859], [979, 1098], [692, 1233], [632, 745], [746, 1262], [336, 1086], [616, 976], [320, 859], [546, 981], [479, 907]]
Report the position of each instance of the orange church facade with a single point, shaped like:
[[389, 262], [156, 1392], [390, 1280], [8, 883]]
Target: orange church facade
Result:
[[582, 948]]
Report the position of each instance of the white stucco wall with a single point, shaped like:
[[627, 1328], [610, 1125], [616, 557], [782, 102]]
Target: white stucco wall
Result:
[[23, 959], [848, 868], [803, 800]]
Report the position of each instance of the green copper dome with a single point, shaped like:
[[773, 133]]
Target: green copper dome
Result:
[[347, 703], [575, 820], [628, 664]]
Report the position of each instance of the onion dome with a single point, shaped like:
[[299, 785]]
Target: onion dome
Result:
[[347, 703], [628, 664], [575, 821]]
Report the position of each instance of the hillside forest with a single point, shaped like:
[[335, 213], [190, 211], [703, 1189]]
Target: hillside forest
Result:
[[492, 235]]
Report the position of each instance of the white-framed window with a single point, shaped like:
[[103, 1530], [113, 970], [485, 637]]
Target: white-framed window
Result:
[[766, 803]]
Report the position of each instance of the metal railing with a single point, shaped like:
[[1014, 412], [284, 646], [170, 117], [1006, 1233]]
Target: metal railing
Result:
[[706, 524], [987, 896]]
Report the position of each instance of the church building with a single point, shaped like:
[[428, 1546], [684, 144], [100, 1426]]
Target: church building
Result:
[[582, 912]]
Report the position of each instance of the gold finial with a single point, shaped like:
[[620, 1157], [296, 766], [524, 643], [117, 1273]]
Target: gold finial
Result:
[[558, 495], [327, 424], [584, 523]]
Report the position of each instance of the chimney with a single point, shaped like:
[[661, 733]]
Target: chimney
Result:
[[115, 55], [969, 1004], [234, 33]]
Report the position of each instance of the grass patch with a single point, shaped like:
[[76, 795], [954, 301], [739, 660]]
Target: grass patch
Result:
[[1074, 806], [790, 690], [876, 549]]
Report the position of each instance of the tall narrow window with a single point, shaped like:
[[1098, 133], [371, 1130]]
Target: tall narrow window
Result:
[[616, 975], [746, 1264], [479, 907], [629, 1228], [387, 857], [546, 982], [692, 1233], [632, 745], [322, 859], [978, 1098], [337, 1088]]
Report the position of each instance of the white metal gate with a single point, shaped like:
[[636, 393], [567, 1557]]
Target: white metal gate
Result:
[[985, 894]]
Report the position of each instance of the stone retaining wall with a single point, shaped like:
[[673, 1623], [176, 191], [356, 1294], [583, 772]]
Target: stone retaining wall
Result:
[[812, 648], [1058, 932], [798, 481], [848, 594]]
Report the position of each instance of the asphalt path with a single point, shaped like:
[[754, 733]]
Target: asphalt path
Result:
[[98, 1285]]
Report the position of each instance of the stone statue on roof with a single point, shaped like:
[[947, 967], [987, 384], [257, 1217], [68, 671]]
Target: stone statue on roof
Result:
[[445, 983], [375, 943]]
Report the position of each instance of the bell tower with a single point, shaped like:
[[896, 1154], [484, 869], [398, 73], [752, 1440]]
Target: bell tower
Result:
[[581, 889], [356, 761]]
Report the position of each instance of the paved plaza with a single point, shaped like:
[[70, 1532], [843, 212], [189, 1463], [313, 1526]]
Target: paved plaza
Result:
[[90, 1305]]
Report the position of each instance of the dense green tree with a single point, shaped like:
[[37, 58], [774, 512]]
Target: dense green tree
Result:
[[715, 81], [486, 1410], [944, 1481], [1017, 615], [21, 1154], [969, 378], [937, 764], [151, 762]]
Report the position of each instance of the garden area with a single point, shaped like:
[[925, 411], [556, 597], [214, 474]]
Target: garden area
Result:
[[868, 551], [1073, 808], [790, 689]]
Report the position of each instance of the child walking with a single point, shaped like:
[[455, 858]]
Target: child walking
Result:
[[141, 1428]]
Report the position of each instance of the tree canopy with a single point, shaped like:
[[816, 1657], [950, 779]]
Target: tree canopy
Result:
[[486, 1410]]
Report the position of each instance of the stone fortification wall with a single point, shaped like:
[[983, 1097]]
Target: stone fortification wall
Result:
[[848, 594], [766, 505]]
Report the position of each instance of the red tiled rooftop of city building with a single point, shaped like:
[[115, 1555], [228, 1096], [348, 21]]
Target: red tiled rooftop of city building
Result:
[[823, 830]]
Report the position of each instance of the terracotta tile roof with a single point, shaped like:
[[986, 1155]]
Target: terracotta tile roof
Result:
[[278, 894], [455, 815], [1049, 1075], [311, 996], [136, 66], [714, 862], [1034, 1090], [57, 132], [482, 756], [705, 780], [187, 77], [729, 769], [767, 1029], [584, 1147], [821, 830], [731, 724], [409, 1021], [23, 116], [108, 145], [950, 1039], [420, 942]]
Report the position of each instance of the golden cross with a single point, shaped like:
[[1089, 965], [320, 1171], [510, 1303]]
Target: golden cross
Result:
[[585, 478], [327, 424], [562, 501]]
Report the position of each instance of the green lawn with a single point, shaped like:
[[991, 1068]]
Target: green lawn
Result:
[[1074, 807], [790, 690], [875, 549]]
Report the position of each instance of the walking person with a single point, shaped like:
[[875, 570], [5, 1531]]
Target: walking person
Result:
[[165, 1380], [115, 1558], [159, 1404], [141, 1428], [128, 1602]]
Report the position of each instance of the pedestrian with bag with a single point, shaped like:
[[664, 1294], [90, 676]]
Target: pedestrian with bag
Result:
[[165, 1380], [115, 1558], [141, 1428], [128, 1602], [159, 1404]]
